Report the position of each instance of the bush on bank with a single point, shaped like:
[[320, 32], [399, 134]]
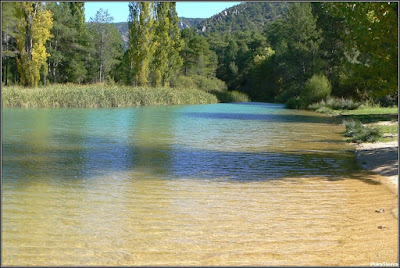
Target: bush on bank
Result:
[[358, 133]]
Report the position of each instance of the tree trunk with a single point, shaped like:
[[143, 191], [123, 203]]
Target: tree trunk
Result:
[[101, 57], [28, 31], [6, 38], [6, 74]]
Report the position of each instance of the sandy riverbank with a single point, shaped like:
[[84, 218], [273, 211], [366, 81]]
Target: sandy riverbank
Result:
[[381, 158]]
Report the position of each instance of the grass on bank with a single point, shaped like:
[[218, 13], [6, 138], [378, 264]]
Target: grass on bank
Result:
[[100, 95], [388, 132], [378, 123], [364, 122]]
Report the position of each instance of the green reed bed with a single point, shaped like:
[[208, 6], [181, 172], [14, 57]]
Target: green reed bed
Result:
[[97, 96]]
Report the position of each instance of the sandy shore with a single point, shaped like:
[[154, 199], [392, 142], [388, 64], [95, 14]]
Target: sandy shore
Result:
[[381, 158]]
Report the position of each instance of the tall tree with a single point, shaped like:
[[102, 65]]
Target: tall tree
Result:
[[175, 61], [34, 27], [163, 43], [60, 41], [82, 51], [332, 46], [8, 31], [296, 51], [107, 42], [197, 56], [167, 39], [371, 44], [303, 43], [141, 46], [70, 48]]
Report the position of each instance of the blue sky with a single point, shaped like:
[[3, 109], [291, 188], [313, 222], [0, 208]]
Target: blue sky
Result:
[[120, 11]]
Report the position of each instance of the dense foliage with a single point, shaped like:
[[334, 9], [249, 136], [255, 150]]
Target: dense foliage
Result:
[[296, 53], [33, 24], [269, 50]]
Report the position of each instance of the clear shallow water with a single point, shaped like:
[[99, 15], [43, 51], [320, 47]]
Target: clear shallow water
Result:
[[223, 184]]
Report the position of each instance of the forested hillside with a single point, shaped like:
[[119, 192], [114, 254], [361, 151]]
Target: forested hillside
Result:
[[189, 22], [250, 16]]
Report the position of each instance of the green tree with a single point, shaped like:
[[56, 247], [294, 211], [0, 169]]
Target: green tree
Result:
[[107, 42], [197, 56], [82, 51], [163, 43], [34, 26], [71, 52], [175, 60], [141, 46], [303, 43], [9, 31], [61, 39], [296, 51], [332, 46], [187, 53], [371, 46]]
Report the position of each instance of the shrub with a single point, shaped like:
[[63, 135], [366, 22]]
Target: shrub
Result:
[[110, 81], [325, 110], [231, 96], [199, 82], [387, 101], [316, 89], [342, 104], [296, 103], [335, 104], [184, 82], [359, 133], [208, 84]]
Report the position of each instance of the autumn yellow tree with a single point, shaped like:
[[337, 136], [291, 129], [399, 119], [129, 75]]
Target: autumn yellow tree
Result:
[[34, 24]]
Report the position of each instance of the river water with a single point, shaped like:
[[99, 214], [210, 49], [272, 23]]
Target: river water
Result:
[[221, 184]]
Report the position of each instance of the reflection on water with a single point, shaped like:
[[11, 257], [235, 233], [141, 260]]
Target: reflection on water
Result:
[[225, 184]]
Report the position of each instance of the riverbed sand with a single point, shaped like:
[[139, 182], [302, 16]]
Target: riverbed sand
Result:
[[381, 158]]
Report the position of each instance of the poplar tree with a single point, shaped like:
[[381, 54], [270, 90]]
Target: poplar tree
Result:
[[168, 43], [141, 32], [34, 24], [162, 42], [175, 61]]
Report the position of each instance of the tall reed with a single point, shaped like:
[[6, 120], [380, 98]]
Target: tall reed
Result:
[[100, 95]]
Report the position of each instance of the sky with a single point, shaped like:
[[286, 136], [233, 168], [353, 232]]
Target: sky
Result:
[[120, 10]]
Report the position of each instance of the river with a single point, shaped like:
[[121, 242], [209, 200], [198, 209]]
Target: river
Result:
[[220, 184]]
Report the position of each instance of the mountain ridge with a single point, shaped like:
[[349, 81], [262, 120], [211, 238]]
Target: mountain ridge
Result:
[[251, 16], [247, 16]]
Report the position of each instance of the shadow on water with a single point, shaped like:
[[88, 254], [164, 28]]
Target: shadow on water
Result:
[[105, 156], [371, 118], [263, 104], [144, 144], [283, 118]]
